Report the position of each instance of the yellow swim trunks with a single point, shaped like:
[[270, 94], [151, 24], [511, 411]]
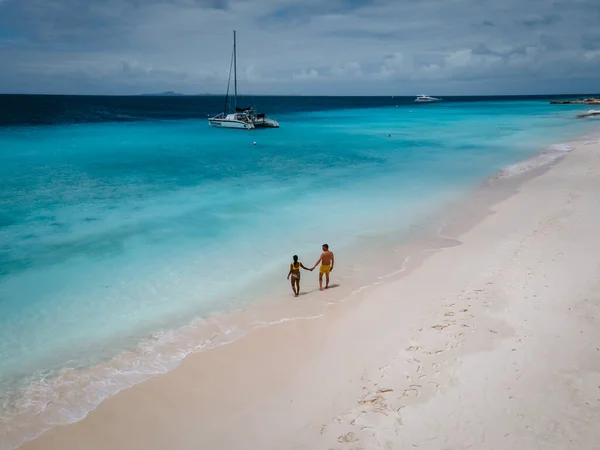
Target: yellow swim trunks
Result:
[[325, 269]]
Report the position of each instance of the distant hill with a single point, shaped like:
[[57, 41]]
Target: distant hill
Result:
[[176, 94], [164, 94]]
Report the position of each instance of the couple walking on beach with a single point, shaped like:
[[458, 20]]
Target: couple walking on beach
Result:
[[326, 259]]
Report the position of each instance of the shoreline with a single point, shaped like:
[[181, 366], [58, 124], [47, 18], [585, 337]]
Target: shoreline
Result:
[[494, 190]]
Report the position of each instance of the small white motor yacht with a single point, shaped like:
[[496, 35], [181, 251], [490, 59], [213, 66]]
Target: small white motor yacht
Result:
[[590, 113], [426, 99]]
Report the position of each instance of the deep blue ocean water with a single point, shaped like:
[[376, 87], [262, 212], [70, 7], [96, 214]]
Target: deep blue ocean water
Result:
[[124, 216]]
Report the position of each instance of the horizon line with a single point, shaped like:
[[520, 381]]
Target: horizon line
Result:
[[176, 94]]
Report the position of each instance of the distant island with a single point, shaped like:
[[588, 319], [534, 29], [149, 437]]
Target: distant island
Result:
[[164, 94], [176, 94], [581, 101]]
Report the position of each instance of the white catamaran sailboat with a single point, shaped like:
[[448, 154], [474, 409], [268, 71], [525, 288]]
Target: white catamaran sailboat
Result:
[[234, 116]]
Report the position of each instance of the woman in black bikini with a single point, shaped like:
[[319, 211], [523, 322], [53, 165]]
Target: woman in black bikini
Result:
[[295, 274]]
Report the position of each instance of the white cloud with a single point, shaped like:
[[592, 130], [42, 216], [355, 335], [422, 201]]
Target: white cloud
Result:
[[460, 58], [307, 75], [349, 70], [592, 55]]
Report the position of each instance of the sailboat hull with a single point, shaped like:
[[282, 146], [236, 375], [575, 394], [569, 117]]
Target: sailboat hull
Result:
[[236, 124], [265, 123]]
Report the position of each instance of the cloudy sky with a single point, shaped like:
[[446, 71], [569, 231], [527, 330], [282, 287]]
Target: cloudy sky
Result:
[[336, 47]]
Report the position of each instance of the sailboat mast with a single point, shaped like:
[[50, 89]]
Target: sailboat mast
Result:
[[235, 68]]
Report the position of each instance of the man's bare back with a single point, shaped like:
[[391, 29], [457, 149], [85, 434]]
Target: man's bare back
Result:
[[327, 261], [326, 258]]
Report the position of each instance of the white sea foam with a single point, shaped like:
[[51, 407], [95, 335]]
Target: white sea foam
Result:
[[548, 156]]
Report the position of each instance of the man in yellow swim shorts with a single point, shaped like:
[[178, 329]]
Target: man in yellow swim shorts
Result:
[[327, 260]]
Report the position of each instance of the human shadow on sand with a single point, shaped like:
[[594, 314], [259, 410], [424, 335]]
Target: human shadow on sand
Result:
[[331, 286]]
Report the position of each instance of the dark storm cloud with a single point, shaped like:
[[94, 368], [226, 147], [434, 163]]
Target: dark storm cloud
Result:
[[549, 19]]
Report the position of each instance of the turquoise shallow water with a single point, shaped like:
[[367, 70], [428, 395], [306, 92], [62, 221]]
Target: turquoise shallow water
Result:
[[112, 231]]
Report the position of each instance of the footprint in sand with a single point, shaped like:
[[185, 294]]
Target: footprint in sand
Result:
[[412, 391], [347, 438]]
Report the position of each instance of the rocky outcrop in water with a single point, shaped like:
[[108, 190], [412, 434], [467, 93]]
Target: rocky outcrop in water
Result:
[[581, 101]]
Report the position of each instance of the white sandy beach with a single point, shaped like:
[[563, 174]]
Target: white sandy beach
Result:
[[490, 344]]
